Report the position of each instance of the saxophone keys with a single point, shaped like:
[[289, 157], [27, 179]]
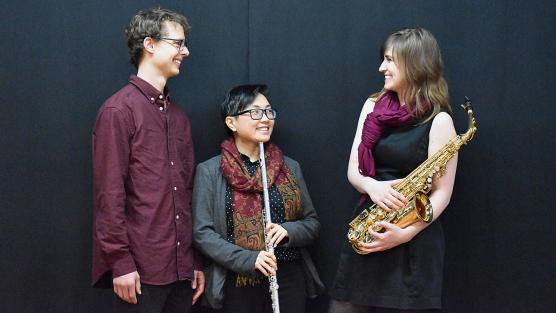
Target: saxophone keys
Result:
[[368, 238], [363, 215], [392, 215]]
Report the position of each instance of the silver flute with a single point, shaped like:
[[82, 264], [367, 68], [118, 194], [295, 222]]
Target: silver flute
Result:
[[267, 221]]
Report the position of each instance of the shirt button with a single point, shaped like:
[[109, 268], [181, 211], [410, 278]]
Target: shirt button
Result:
[[175, 188], [177, 217], [160, 96], [172, 163], [161, 108], [152, 99], [178, 243]]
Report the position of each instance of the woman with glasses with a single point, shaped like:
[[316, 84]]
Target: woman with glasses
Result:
[[399, 128], [228, 218]]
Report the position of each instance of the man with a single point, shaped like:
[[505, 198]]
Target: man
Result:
[[143, 167]]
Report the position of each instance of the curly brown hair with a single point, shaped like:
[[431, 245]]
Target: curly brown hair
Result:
[[150, 23]]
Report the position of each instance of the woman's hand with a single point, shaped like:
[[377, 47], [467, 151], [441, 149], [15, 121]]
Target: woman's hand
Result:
[[275, 234], [382, 193], [392, 236], [266, 263]]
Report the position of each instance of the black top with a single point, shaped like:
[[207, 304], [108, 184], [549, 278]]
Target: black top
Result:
[[401, 150], [408, 276]]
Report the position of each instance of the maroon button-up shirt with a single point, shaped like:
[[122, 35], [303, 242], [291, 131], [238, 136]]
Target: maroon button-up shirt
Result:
[[143, 166]]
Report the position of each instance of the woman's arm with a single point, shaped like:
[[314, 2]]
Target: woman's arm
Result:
[[381, 192], [442, 131], [205, 236], [304, 231], [358, 181]]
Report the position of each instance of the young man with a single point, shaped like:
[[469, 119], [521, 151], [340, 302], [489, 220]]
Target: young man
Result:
[[143, 166]]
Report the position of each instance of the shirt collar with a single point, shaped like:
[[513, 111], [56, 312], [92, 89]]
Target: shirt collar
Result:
[[152, 94], [247, 160]]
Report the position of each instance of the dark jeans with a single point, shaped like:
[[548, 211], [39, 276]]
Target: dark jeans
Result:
[[256, 299], [172, 298], [346, 307]]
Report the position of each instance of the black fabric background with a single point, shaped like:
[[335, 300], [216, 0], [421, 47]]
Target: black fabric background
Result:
[[61, 59]]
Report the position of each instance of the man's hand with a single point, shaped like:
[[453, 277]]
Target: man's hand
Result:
[[198, 284], [127, 287]]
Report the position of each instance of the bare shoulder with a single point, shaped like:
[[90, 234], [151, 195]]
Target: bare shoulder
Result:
[[442, 130], [368, 106], [442, 122]]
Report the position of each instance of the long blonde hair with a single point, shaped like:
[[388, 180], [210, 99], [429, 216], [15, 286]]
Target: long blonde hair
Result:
[[416, 52]]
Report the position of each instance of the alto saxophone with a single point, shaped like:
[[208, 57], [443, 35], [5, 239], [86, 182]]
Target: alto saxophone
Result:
[[415, 187]]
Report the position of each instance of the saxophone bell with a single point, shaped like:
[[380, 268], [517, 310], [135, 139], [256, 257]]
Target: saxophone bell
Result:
[[419, 209]]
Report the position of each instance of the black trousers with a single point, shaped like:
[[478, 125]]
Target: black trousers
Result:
[[172, 298], [256, 299], [346, 307]]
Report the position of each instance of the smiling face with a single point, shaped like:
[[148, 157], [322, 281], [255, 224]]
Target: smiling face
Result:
[[394, 78], [167, 55], [247, 131]]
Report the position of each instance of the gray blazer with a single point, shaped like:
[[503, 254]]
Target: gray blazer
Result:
[[209, 232]]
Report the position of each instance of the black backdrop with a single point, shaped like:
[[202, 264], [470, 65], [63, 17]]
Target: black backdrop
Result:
[[61, 59]]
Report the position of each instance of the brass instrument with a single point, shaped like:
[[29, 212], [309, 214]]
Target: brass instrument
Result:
[[415, 187]]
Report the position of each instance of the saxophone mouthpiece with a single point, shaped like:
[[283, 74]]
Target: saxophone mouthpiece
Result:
[[472, 124], [467, 104]]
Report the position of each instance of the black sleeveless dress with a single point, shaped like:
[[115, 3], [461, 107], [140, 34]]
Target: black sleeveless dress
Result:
[[408, 276]]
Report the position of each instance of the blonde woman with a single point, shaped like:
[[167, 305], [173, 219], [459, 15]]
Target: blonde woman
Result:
[[399, 128]]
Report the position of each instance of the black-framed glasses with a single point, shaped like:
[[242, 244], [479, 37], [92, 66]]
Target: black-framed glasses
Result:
[[179, 44], [257, 114]]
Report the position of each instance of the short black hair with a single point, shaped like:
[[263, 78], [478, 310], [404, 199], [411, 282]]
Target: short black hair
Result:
[[239, 97], [150, 23]]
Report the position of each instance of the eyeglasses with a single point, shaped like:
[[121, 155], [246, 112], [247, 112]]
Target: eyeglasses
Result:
[[179, 44], [257, 114]]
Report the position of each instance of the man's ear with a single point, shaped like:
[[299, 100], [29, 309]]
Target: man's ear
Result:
[[230, 123], [148, 44]]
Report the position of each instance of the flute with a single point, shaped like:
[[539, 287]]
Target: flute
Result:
[[267, 220]]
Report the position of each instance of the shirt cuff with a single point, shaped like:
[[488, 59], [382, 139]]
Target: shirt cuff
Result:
[[197, 261], [123, 266]]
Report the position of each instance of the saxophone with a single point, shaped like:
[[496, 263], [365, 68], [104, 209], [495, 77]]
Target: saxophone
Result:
[[415, 187]]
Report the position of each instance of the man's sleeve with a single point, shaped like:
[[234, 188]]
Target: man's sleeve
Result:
[[197, 260], [111, 151]]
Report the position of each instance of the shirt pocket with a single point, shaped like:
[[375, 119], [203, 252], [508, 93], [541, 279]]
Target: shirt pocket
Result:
[[151, 144], [184, 152]]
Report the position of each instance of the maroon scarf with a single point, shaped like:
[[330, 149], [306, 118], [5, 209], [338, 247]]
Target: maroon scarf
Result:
[[246, 192], [387, 113]]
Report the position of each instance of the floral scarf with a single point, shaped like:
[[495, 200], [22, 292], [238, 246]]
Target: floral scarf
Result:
[[247, 192]]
